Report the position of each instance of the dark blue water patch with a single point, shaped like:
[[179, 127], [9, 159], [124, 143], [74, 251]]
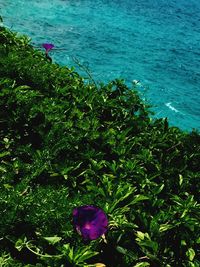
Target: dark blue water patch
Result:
[[154, 41]]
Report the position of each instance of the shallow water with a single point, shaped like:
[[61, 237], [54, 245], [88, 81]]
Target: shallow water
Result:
[[154, 41]]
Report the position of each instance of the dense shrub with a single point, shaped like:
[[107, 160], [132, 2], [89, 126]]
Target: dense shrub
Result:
[[65, 143]]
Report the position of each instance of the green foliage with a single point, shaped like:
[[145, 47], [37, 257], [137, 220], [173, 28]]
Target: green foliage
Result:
[[65, 142]]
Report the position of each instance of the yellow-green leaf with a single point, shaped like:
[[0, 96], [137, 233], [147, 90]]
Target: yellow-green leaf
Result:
[[190, 254], [53, 239]]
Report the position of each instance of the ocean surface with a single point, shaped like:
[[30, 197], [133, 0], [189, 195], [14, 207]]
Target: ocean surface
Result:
[[154, 41]]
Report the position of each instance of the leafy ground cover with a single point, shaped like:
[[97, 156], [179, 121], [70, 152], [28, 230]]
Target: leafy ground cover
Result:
[[66, 143]]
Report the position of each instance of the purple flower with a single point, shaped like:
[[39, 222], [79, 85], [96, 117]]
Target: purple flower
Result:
[[91, 222], [48, 47]]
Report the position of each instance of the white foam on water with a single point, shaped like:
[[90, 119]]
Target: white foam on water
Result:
[[171, 107]]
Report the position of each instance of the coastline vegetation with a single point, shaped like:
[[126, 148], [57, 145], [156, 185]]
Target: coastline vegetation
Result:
[[66, 143]]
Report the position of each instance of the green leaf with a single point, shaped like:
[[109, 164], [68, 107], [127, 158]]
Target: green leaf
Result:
[[121, 250], [125, 191], [66, 247], [140, 235], [86, 255], [190, 254], [183, 243], [71, 253], [3, 154], [165, 227], [20, 244], [22, 87], [159, 189], [180, 179], [142, 264], [2, 169], [139, 198], [8, 186], [53, 239], [149, 244]]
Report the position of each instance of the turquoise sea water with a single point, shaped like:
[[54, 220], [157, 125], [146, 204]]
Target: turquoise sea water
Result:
[[154, 41]]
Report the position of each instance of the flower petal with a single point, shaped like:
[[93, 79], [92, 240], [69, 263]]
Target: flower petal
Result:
[[90, 221], [48, 46]]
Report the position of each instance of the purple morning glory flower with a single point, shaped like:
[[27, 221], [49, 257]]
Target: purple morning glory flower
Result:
[[48, 47], [90, 221]]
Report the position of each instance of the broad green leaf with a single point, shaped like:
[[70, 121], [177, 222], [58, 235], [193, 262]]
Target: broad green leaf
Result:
[[8, 186], [190, 254], [3, 154], [2, 169], [71, 253], [180, 179], [150, 244], [86, 255], [22, 87], [19, 245], [142, 264], [121, 250], [139, 198], [183, 243], [184, 213], [66, 247], [140, 235], [159, 189], [165, 227], [53, 239]]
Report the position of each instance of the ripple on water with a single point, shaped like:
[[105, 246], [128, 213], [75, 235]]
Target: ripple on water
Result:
[[156, 42]]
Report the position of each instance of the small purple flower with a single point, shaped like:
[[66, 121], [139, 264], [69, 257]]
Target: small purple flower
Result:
[[48, 47], [90, 222]]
